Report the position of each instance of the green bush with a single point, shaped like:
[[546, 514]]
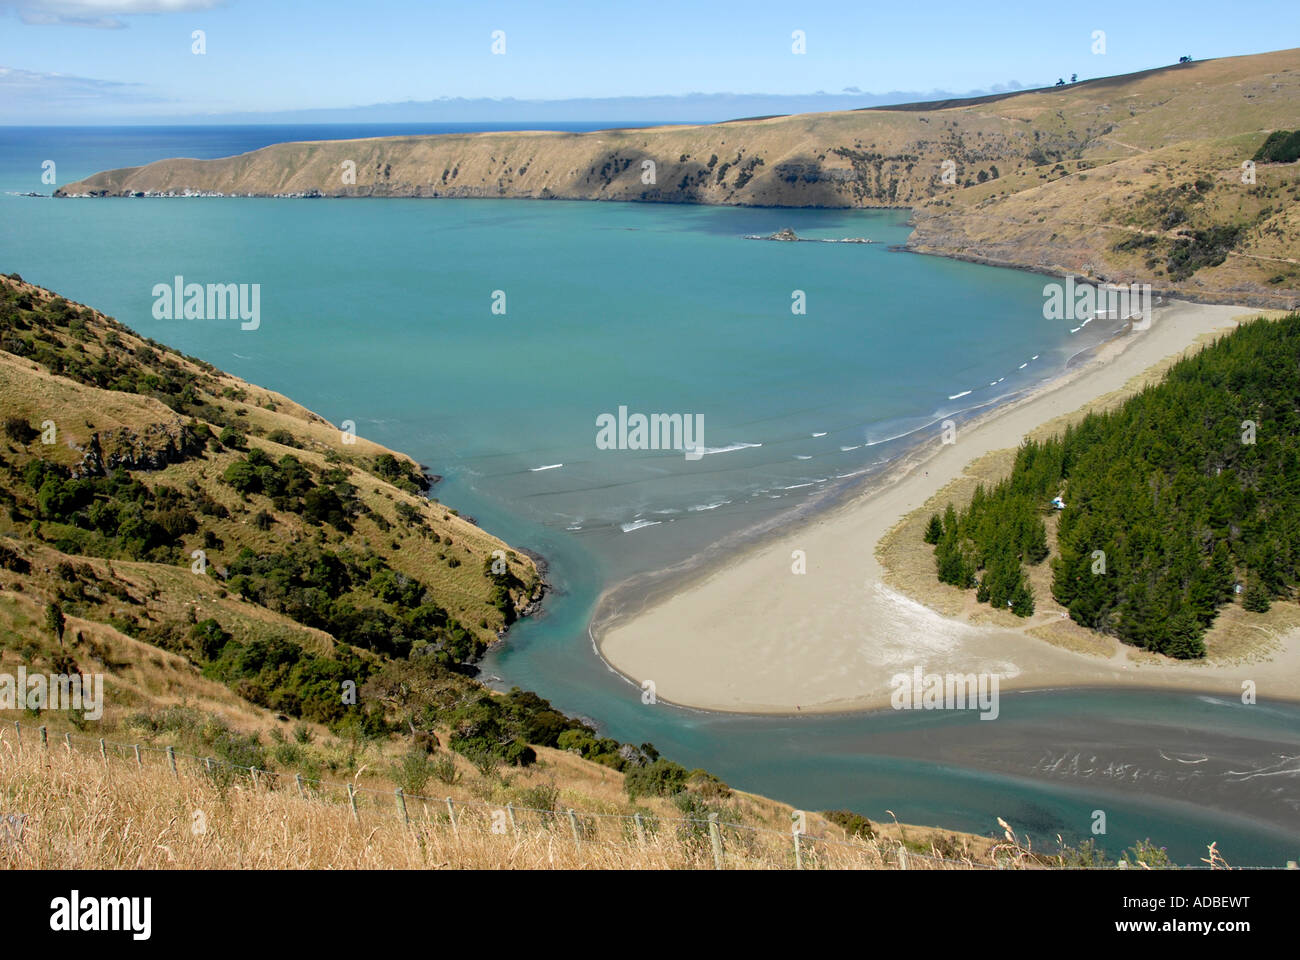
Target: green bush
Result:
[[662, 778]]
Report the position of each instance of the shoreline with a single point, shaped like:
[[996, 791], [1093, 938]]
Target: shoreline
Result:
[[647, 588], [749, 636]]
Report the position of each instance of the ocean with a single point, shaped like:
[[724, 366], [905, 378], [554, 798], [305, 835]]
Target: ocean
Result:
[[486, 337]]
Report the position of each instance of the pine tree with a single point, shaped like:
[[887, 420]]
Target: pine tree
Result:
[[1022, 601], [1035, 545], [934, 530], [1185, 641], [1255, 598]]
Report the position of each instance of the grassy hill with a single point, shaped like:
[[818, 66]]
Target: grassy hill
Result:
[[1130, 178], [84, 812]]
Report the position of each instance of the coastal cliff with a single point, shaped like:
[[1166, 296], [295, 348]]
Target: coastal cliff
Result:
[[1138, 178]]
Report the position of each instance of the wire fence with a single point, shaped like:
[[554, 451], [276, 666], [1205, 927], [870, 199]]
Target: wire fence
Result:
[[722, 843]]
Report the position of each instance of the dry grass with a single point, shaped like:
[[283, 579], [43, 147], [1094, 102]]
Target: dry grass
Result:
[[82, 812]]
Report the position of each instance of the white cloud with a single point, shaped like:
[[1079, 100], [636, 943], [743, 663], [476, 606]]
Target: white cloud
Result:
[[32, 97], [103, 14]]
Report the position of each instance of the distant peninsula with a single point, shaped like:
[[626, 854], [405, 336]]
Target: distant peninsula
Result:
[[1159, 177]]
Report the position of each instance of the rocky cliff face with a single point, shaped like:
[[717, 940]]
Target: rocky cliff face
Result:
[[157, 446]]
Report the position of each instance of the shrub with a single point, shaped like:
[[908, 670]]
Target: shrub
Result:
[[413, 770], [854, 824], [662, 778], [1282, 146], [444, 768], [19, 430]]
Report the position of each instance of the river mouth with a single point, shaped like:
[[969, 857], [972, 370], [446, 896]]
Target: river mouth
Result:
[[380, 312]]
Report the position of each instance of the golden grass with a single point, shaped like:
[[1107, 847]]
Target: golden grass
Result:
[[84, 812]]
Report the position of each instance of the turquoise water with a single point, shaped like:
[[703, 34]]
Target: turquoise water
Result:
[[380, 312]]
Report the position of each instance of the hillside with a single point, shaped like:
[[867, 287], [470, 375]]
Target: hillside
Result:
[[1130, 178]]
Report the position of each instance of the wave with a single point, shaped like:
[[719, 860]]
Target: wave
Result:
[[847, 449], [958, 396], [549, 466], [800, 456], [707, 506], [1023, 365], [638, 525], [822, 434], [729, 448]]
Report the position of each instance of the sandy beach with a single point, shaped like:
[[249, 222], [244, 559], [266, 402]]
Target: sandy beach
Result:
[[753, 636]]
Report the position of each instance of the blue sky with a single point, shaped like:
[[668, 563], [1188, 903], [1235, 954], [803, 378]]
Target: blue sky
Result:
[[72, 59]]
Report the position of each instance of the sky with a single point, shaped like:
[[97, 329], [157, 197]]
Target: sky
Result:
[[82, 60]]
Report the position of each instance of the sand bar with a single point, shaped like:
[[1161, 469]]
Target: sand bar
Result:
[[752, 636]]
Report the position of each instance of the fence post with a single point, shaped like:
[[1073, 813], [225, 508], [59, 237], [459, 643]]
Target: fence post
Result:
[[401, 805], [510, 812], [798, 852], [138, 761], [45, 739], [103, 751], [207, 765], [297, 778], [451, 815], [171, 760], [902, 858], [18, 731], [67, 741], [715, 835], [573, 822], [352, 799], [253, 771], [640, 829]]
